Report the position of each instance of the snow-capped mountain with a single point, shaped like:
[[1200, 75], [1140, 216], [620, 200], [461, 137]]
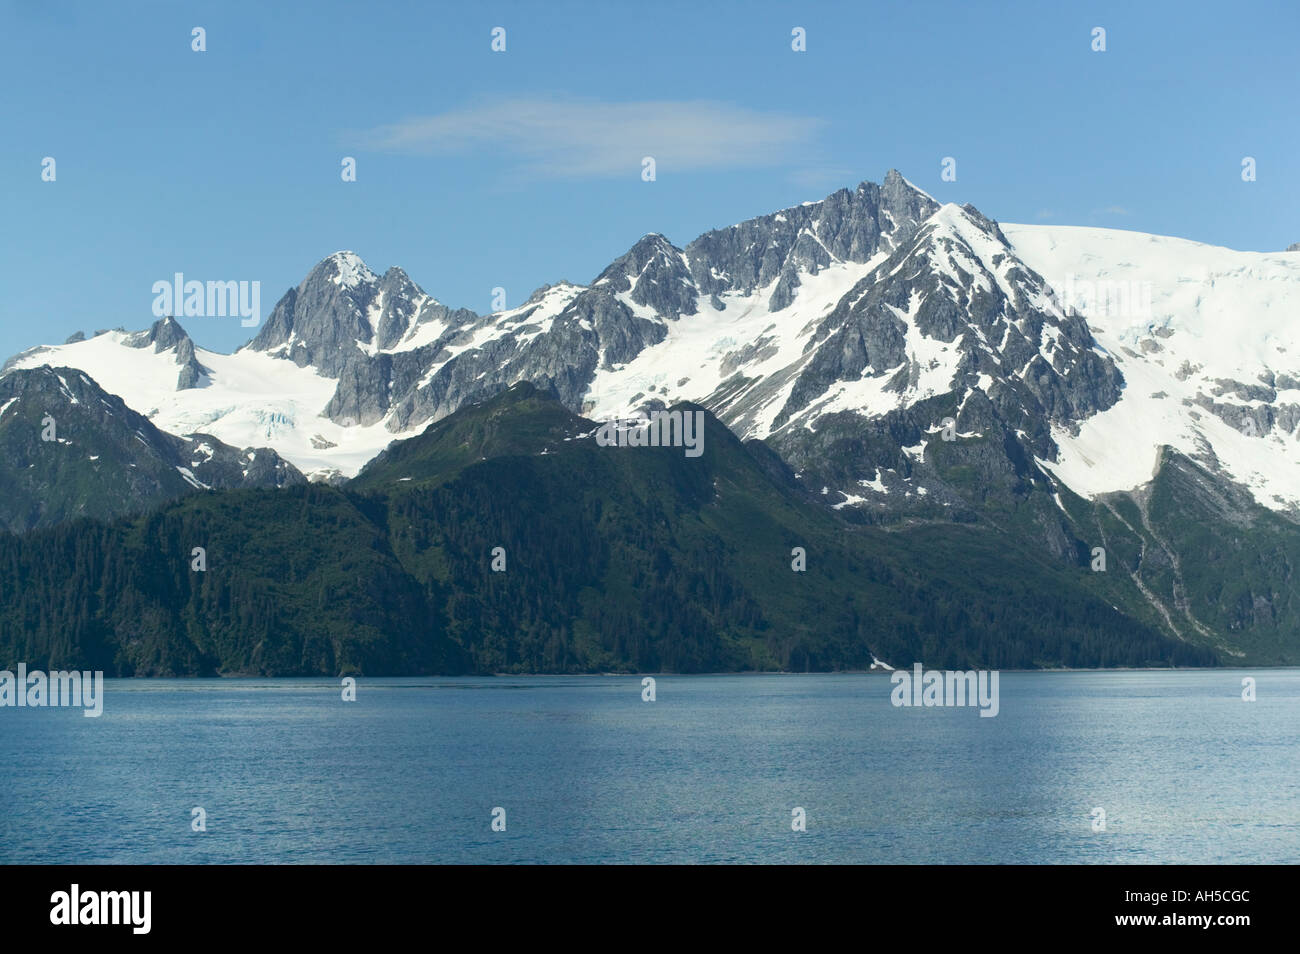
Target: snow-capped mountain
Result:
[[843, 332], [71, 449], [1208, 341]]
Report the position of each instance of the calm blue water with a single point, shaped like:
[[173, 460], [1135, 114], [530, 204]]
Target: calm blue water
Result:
[[1186, 771]]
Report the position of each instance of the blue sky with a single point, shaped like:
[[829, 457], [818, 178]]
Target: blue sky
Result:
[[478, 169]]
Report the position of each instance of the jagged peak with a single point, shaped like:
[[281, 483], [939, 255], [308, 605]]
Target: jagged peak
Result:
[[346, 269], [630, 264], [164, 334], [542, 291], [963, 218], [897, 196], [652, 243], [895, 180], [893, 186], [396, 281]]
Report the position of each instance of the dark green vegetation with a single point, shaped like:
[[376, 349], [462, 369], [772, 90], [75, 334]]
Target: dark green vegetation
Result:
[[617, 559], [1189, 553], [43, 482], [70, 449], [1208, 562]]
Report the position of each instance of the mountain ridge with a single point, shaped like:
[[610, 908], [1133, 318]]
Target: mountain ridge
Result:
[[575, 558], [901, 360]]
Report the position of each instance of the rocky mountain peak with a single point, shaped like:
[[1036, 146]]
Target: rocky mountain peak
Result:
[[655, 273], [396, 282], [542, 291], [345, 269], [322, 321], [164, 334], [846, 226], [343, 312]]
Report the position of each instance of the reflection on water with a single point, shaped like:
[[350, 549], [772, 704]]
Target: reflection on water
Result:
[[711, 771]]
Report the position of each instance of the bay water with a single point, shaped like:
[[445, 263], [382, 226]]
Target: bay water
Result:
[[713, 770]]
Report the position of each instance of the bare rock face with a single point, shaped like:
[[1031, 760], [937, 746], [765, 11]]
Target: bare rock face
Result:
[[881, 343], [402, 356], [1015, 364], [166, 334]]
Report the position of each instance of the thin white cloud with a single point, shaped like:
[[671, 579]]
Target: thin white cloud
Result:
[[1112, 210], [585, 138]]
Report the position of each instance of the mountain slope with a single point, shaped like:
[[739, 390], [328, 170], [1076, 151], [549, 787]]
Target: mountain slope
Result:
[[348, 360], [903, 363], [869, 303], [246, 399], [1209, 341], [616, 559], [69, 449]]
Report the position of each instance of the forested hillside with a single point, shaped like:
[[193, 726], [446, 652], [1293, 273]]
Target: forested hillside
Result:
[[615, 559]]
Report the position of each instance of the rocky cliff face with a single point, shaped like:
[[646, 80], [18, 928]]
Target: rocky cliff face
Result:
[[166, 335], [402, 358]]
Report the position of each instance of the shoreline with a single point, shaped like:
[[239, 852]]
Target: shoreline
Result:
[[696, 675]]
